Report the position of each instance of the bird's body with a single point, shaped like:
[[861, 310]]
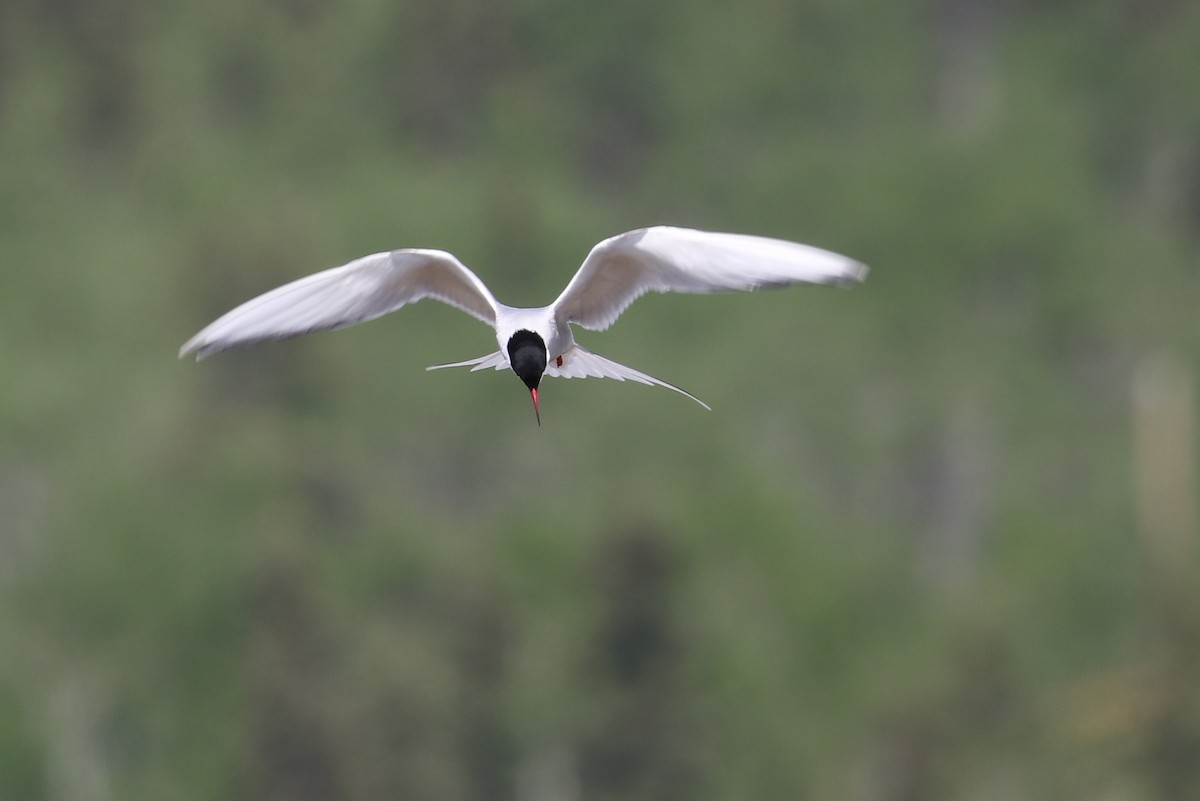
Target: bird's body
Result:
[[533, 341]]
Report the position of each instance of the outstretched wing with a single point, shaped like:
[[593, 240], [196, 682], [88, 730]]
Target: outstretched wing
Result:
[[622, 268], [578, 362], [353, 293]]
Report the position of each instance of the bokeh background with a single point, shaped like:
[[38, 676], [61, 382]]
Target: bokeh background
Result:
[[936, 540]]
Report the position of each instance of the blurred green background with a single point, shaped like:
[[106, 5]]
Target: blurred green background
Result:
[[936, 540]]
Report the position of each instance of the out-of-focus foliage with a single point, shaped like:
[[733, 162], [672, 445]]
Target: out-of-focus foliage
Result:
[[905, 557]]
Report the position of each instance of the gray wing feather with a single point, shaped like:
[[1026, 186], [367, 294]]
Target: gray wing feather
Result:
[[362, 290], [622, 268]]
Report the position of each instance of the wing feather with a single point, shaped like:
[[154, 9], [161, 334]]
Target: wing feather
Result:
[[362, 290], [622, 268]]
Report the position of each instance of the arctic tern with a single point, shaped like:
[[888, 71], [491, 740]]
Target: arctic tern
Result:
[[534, 342]]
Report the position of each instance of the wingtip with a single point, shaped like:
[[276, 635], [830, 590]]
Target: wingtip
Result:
[[201, 350]]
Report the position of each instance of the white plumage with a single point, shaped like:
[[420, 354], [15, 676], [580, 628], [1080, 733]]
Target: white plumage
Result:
[[615, 273]]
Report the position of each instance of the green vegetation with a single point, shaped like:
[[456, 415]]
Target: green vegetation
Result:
[[937, 539]]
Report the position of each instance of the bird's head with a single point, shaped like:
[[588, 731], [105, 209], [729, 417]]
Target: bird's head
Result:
[[527, 355]]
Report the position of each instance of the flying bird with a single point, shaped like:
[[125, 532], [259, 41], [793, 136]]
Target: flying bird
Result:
[[534, 342]]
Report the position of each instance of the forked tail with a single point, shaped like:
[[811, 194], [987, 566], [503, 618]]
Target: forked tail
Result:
[[579, 362], [576, 362], [495, 360]]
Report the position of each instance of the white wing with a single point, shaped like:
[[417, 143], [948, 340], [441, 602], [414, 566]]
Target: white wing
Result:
[[353, 293], [622, 268], [580, 363]]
